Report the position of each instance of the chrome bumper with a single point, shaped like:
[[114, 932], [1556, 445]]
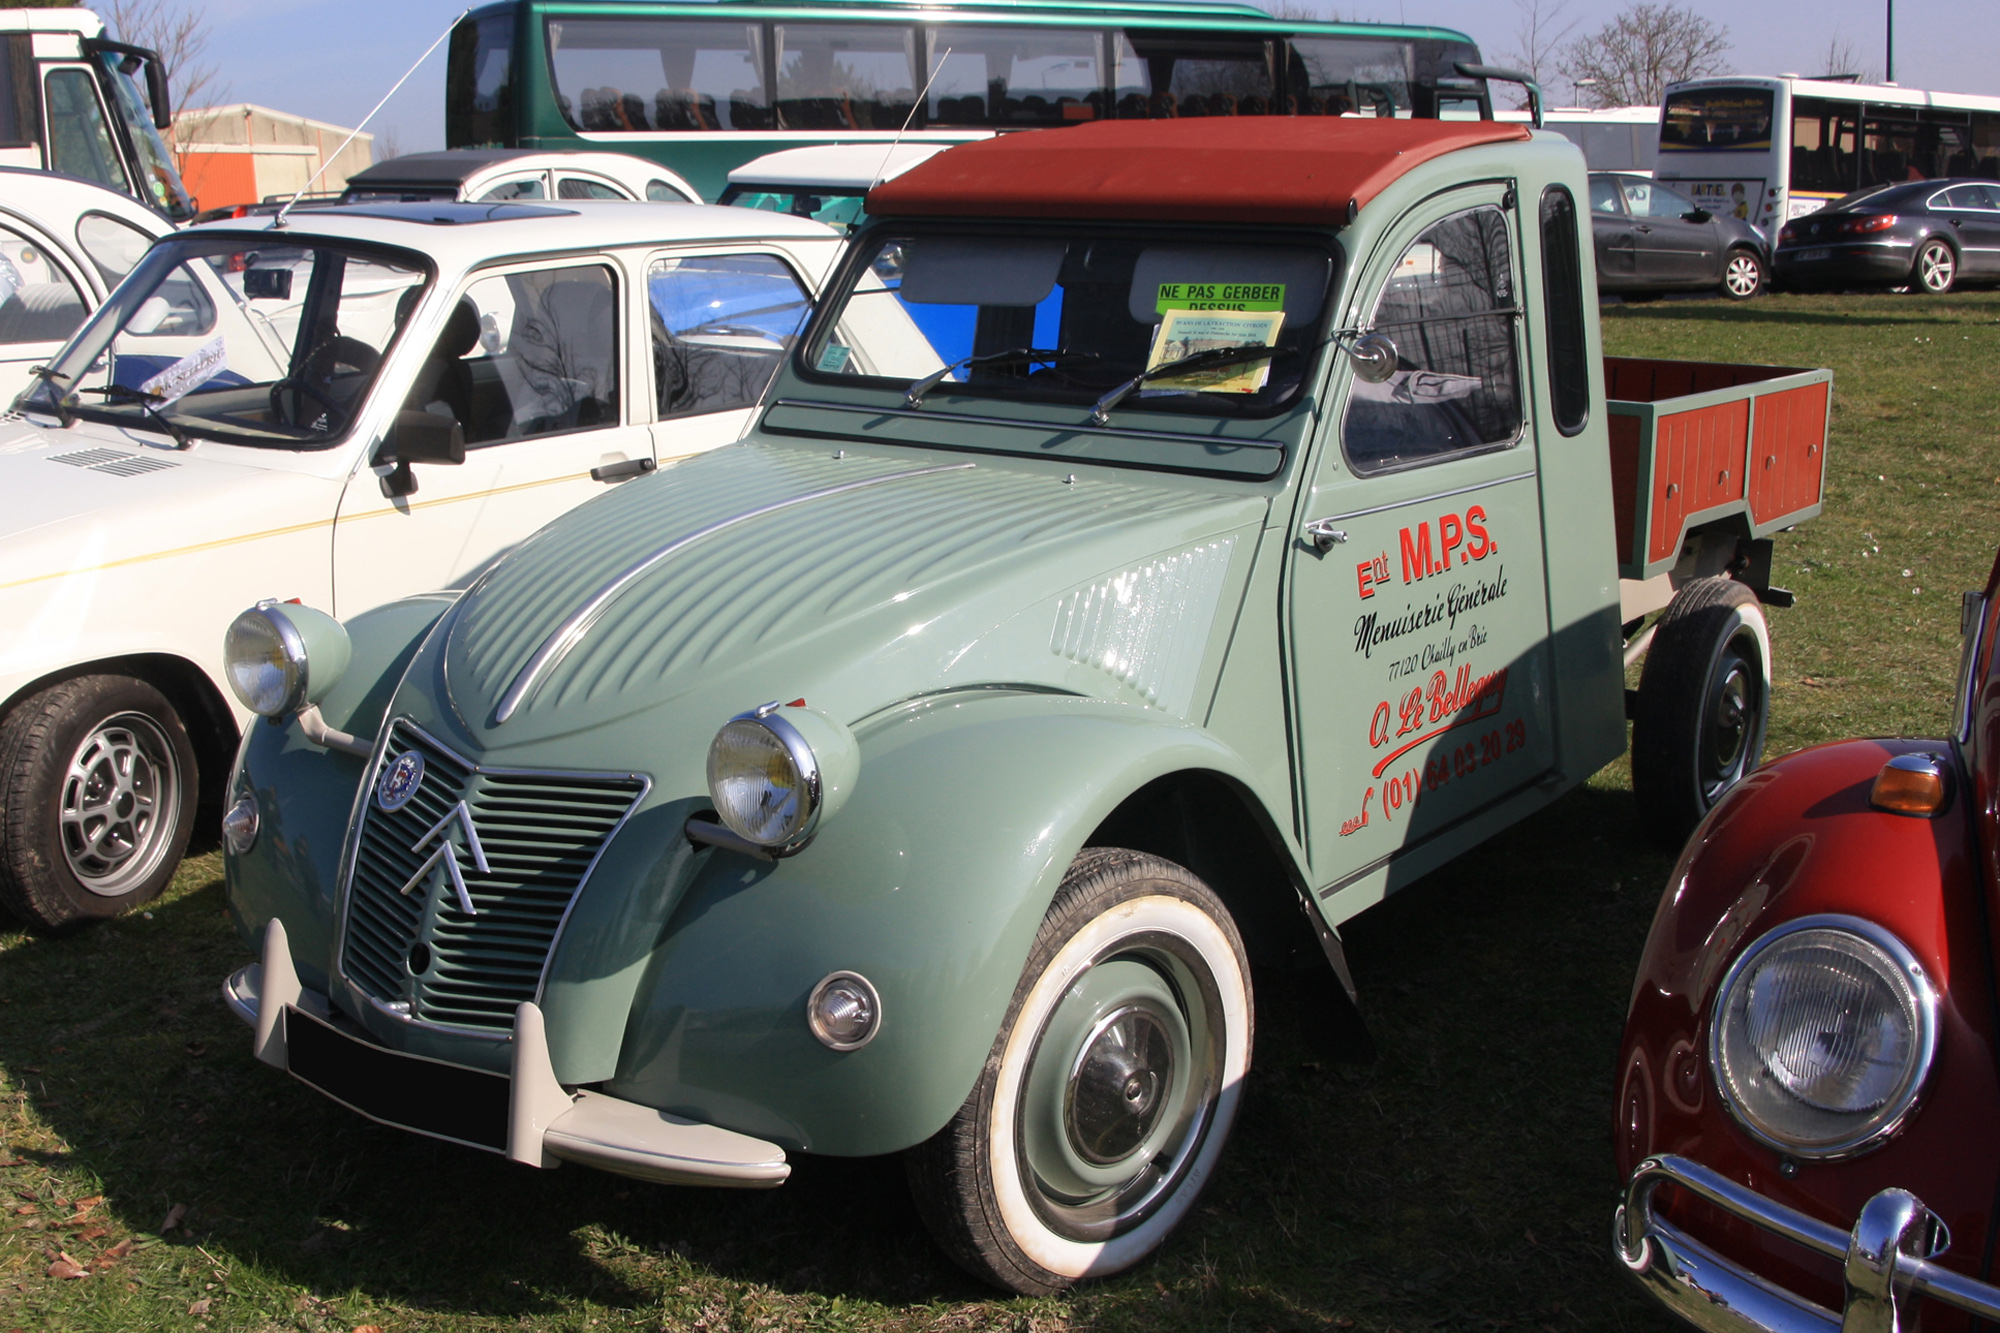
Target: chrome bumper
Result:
[[1886, 1258], [545, 1123]]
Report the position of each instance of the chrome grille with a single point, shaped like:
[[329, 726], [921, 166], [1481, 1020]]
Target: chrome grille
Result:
[[541, 833]]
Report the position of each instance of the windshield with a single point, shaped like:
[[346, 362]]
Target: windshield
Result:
[[836, 208], [242, 339], [160, 184], [1073, 318], [1717, 120]]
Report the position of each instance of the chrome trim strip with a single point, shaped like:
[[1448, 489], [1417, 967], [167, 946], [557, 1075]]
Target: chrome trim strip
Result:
[[1426, 499], [571, 631], [1715, 1293], [1052, 427], [354, 852]]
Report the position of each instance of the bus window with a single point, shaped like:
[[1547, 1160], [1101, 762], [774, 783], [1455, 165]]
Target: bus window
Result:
[[1334, 76], [1161, 75], [1889, 147], [1717, 120], [1823, 145], [17, 90], [659, 74], [79, 138], [846, 77], [479, 110], [1014, 76]]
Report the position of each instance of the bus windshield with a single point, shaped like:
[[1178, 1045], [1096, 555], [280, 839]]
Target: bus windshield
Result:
[[1731, 120], [160, 184]]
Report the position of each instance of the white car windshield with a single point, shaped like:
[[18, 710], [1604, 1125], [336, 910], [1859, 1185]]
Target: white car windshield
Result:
[[253, 341]]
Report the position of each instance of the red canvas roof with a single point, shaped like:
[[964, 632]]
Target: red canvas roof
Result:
[[1266, 169]]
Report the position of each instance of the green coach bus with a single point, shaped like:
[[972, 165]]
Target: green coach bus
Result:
[[704, 87]]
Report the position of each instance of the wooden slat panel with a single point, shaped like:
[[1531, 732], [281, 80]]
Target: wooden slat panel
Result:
[[1698, 464], [1790, 458]]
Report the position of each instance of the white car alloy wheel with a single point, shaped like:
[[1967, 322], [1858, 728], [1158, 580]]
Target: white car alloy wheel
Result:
[[1111, 1091], [117, 802]]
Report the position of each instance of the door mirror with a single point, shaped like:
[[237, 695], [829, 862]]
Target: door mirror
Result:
[[419, 437], [1374, 356], [1697, 215]]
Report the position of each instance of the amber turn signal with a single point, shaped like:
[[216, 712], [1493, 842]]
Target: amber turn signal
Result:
[[1910, 784]]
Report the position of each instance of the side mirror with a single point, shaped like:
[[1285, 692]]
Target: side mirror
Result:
[[419, 437], [1698, 215], [1374, 356], [267, 284]]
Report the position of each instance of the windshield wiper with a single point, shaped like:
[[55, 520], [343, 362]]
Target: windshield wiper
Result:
[[59, 400], [1014, 355], [125, 393], [1214, 356]]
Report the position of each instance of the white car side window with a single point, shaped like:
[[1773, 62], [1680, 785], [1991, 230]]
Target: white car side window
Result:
[[38, 302]]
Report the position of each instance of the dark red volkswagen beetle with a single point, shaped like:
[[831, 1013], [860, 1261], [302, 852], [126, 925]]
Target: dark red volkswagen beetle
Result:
[[1809, 1100]]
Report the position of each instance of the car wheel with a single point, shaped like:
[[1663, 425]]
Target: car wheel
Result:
[[1935, 270], [1704, 701], [99, 784], [1110, 1090], [1742, 275]]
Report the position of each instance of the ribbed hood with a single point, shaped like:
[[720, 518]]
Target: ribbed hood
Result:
[[857, 580]]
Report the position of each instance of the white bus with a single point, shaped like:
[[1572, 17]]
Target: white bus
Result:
[[1618, 138], [1768, 150]]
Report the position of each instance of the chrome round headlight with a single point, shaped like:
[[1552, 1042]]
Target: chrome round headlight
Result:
[[265, 661], [764, 779], [1822, 1033], [279, 656]]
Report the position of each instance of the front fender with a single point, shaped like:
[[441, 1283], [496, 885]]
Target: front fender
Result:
[[1799, 838], [305, 794], [931, 883]]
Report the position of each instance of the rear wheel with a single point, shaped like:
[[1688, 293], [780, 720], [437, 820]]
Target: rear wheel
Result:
[[1742, 275], [1935, 270], [99, 786], [1704, 700], [1111, 1089]]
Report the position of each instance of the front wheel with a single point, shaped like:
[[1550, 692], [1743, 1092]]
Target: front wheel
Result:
[[1742, 275], [1110, 1090], [1935, 270], [1704, 701], [97, 796]]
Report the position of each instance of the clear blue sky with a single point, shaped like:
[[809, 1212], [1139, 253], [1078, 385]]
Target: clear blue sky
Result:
[[332, 59]]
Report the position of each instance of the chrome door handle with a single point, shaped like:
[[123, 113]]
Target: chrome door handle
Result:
[[1323, 535]]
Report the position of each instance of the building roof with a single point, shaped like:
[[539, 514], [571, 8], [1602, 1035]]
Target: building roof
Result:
[[1267, 169]]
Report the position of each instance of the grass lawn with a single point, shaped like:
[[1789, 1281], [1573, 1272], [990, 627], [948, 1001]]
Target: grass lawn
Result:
[[1463, 1180]]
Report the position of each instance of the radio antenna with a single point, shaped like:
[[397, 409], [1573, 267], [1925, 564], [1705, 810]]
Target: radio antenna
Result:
[[897, 142], [280, 220]]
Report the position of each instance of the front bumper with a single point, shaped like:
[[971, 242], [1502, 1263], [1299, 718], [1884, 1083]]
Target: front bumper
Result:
[[1886, 1259], [527, 1116]]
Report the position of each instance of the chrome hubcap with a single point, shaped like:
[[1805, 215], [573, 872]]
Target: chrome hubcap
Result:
[[116, 809], [1729, 724], [1120, 1084]]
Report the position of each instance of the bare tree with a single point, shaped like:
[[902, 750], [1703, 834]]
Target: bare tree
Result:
[[1631, 60], [1538, 32], [1842, 60], [181, 37], [387, 144]]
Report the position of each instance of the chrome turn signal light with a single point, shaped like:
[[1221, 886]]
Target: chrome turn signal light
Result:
[[1911, 784], [844, 1011]]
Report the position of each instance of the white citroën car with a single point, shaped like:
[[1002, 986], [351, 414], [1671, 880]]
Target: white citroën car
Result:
[[265, 410]]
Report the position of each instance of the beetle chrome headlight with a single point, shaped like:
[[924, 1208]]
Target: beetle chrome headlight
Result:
[[775, 774], [1822, 1034], [279, 657]]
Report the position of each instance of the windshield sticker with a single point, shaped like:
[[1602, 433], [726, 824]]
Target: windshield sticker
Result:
[[1185, 333], [1220, 296], [1418, 387], [189, 373], [834, 359]]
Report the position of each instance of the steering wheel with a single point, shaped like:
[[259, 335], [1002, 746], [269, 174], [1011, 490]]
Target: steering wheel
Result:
[[315, 377]]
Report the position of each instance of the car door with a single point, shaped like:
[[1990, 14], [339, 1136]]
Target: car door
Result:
[[532, 364], [1417, 604], [1611, 234], [1676, 243], [44, 296], [1974, 213], [721, 322]]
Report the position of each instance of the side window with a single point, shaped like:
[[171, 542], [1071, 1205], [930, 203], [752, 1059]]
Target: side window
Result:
[[1603, 195], [577, 187], [38, 302], [522, 354], [79, 139], [722, 324], [1650, 199], [1562, 285], [521, 187], [662, 193], [113, 245], [1448, 306]]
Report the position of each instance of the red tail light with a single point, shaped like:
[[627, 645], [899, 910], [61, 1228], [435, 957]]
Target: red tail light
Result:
[[1788, 233], [1862, 225]]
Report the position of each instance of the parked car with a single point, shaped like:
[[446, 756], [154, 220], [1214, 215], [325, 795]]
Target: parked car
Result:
[[1808, 1065], [1925, 236], [924, 773], [824, 182], [64, 244], [272, 411], [492, 175], [1652, 238]]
